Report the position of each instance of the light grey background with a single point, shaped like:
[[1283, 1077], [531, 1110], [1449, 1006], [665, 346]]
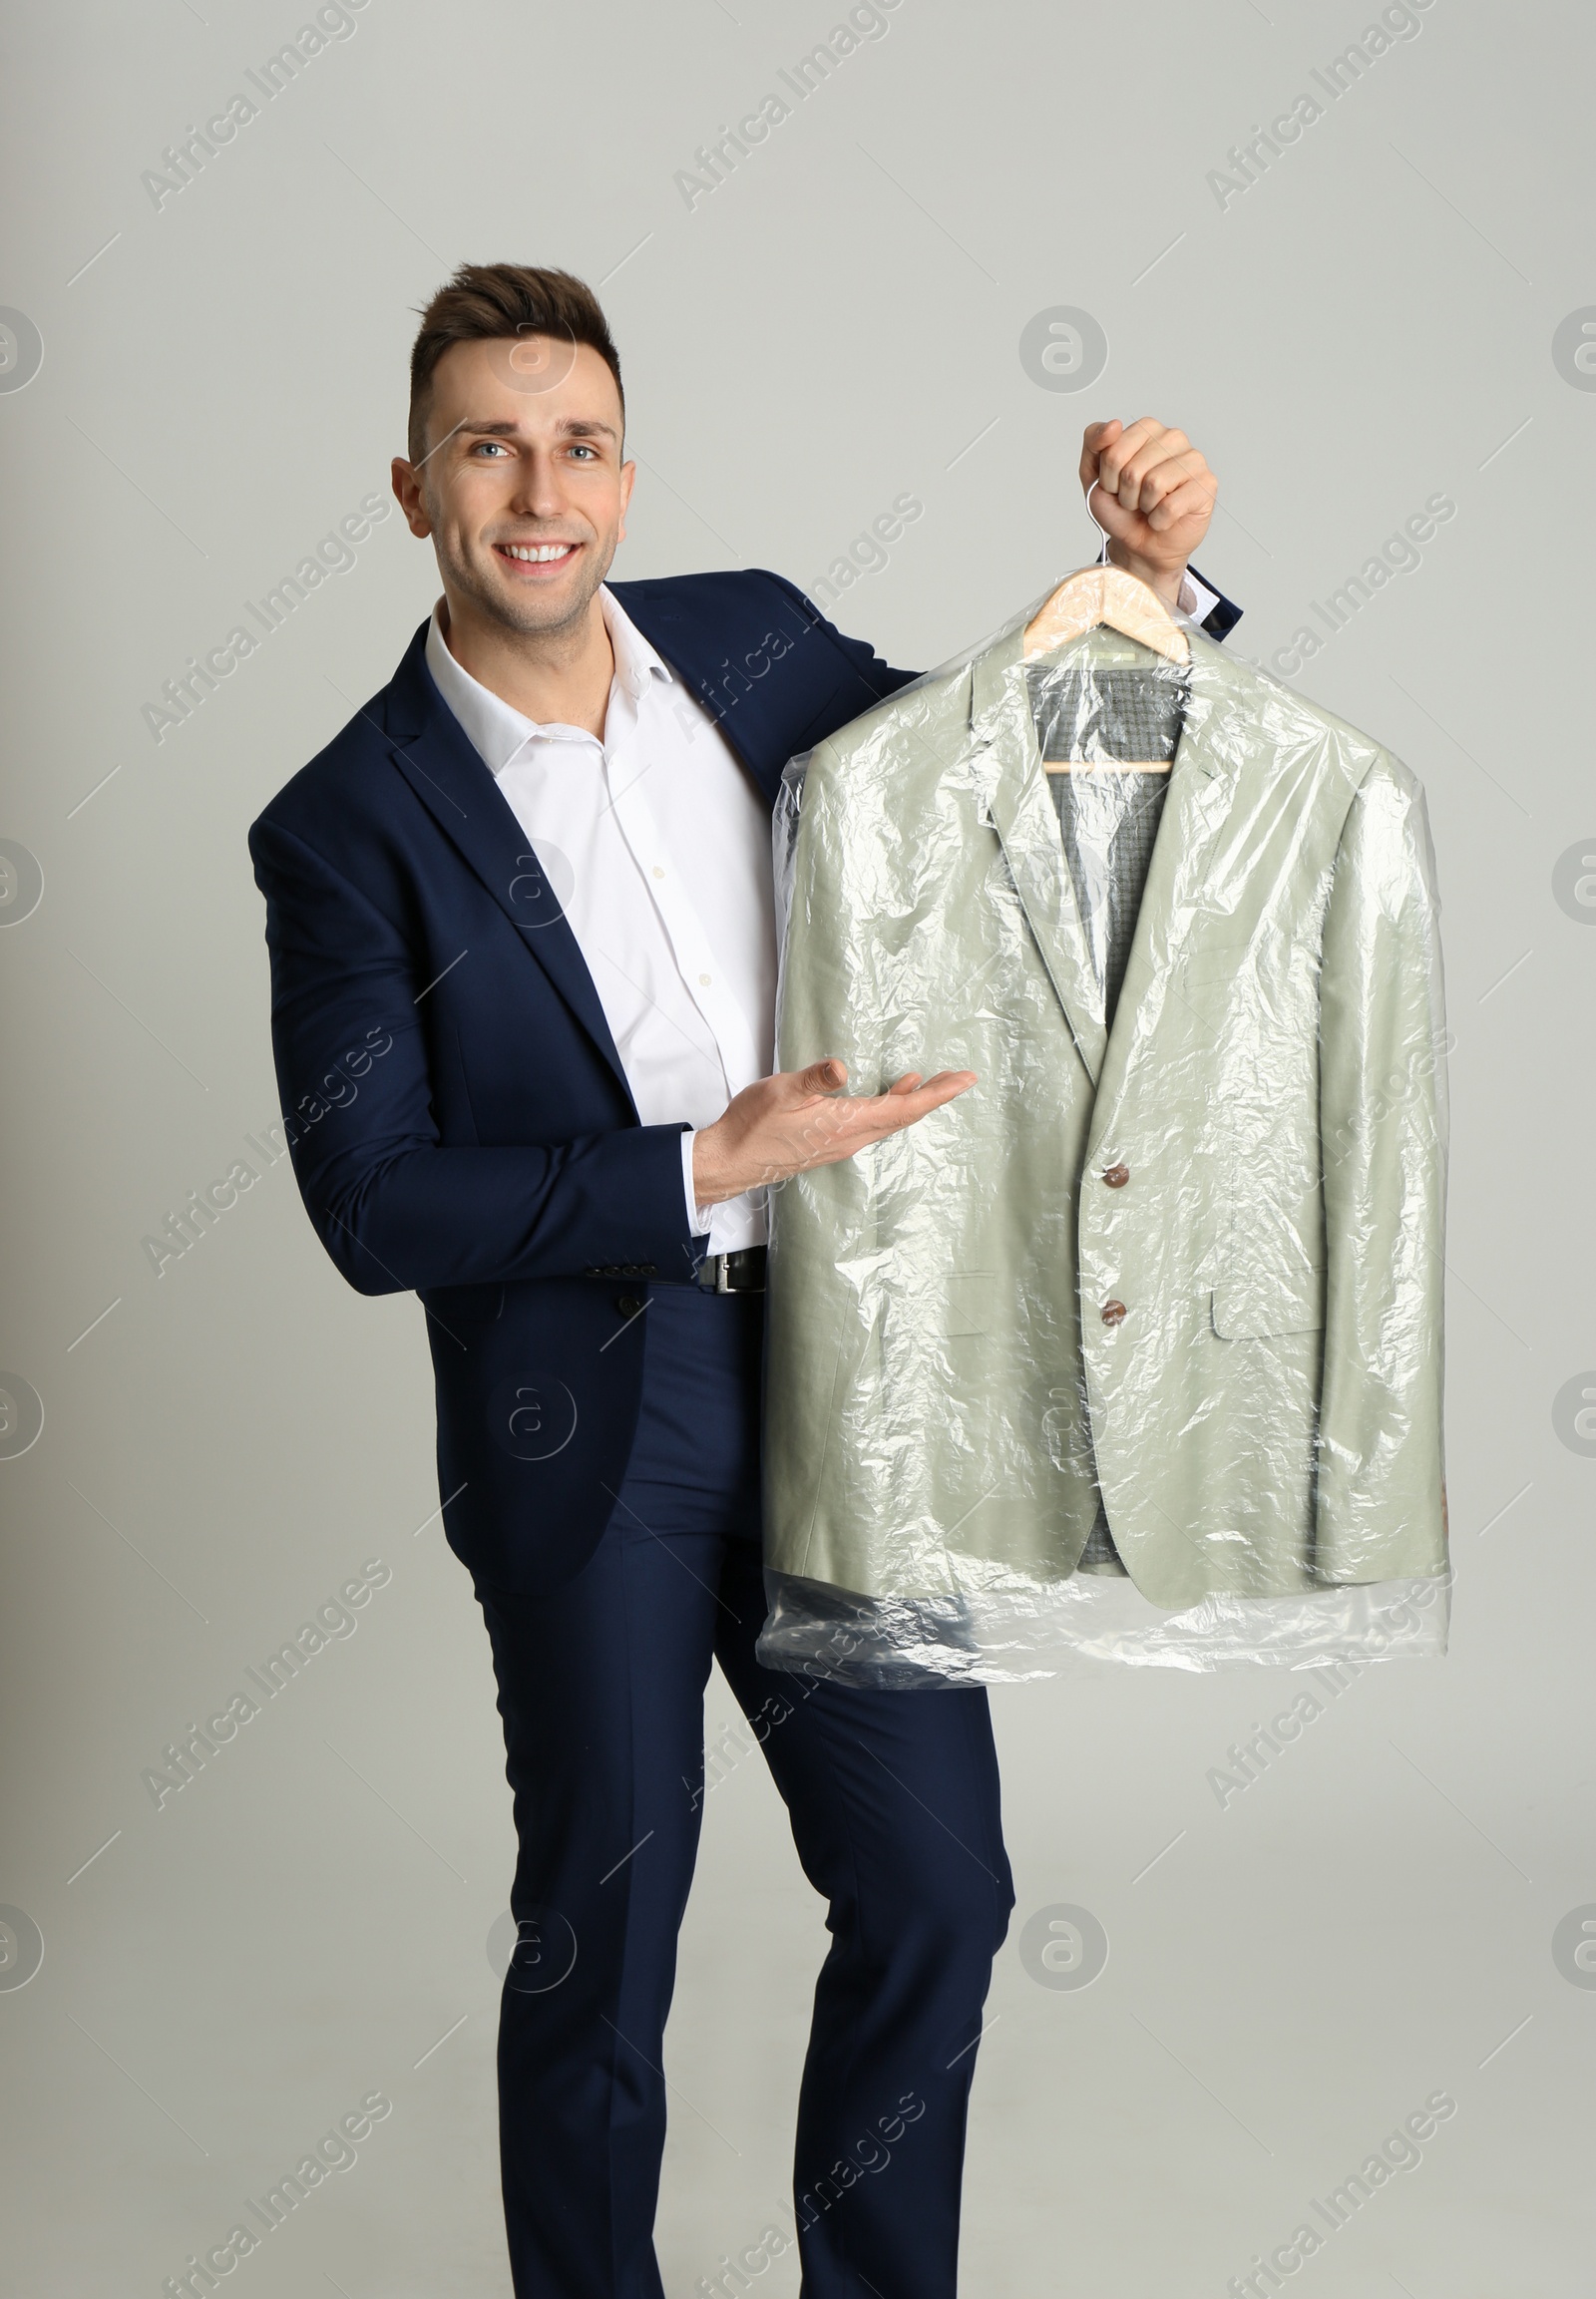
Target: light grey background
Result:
[[224, 377]]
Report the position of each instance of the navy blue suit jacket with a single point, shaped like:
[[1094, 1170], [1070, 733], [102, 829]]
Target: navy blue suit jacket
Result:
[[460, 1123]]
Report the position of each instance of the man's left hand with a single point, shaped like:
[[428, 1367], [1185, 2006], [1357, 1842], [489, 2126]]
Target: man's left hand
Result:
[[1155, 496]]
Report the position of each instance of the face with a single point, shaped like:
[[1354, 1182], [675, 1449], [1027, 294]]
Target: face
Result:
[[522, 488]]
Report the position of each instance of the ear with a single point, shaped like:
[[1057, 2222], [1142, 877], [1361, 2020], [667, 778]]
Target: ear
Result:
[[406, 480], [628, 475]]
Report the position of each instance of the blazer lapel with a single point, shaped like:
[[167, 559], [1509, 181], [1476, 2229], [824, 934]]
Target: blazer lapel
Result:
[[673, 635], [1202, 789], [437, 759], [1023, 816]]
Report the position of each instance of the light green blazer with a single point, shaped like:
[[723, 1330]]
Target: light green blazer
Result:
[[1266, 1416]]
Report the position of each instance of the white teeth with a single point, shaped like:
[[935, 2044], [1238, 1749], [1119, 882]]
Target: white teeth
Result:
[[536, 553]]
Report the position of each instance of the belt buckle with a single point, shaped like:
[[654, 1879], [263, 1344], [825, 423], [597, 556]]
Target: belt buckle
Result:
[[715, 1271]]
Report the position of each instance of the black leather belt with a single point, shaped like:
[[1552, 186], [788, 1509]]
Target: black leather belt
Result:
[[742, 1272], [739, 1273]]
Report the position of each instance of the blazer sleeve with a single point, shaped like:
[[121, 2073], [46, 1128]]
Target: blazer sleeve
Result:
[[1221, 614], [1383, 1132], [868, 676], [396, 1207]]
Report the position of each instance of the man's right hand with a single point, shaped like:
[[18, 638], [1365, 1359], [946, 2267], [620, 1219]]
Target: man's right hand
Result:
[[785, 1124]]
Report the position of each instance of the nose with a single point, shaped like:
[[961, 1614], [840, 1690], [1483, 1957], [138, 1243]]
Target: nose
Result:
[[537, 492]]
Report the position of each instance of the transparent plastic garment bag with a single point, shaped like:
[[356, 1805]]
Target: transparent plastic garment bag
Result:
[[1133, 1352]]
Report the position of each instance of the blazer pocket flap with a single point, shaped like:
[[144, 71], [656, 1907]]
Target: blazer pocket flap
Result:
[[1253, 1304], [464, 1305], [967, 1301]]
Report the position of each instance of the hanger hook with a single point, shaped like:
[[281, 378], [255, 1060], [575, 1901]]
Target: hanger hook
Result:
[[1102, 555]]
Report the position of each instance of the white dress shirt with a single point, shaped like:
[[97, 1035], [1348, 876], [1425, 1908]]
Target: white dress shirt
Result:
[[657, 845], [1194, 599]]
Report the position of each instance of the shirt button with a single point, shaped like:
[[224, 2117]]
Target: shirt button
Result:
[[659, 872], [1117, 1176], [1113, 1312], [704, 980]]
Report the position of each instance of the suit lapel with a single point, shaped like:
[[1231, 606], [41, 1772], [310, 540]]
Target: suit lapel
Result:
[[672, 636], [432, 751], [1202, 789], [1023, 815]]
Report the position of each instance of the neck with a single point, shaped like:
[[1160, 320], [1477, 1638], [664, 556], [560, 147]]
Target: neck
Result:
[[556, 676]]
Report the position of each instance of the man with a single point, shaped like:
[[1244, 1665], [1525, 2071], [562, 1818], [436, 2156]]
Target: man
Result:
[[520, 921]]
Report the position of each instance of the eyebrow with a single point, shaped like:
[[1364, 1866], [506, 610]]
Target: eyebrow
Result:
[[573, 427]]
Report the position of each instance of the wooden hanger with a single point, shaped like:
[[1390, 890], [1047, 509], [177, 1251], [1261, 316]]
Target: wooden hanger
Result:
[[1107, 595]]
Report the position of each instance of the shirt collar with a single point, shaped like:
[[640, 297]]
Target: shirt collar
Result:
[[497, 731]]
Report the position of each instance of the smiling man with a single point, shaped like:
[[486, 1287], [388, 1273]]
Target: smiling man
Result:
[[520, 920]]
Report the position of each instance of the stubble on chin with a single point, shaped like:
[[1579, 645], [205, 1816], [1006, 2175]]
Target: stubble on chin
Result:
[[532, 614]]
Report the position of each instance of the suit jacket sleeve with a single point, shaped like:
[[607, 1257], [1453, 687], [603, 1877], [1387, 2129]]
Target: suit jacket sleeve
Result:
[[396, 1207], [1383, 1130], [872, 678]]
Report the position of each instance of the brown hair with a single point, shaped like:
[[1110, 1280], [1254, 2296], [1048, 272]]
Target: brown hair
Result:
[[484, 300]]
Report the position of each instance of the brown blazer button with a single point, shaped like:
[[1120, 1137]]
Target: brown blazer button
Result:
[[1117, 1176], [631, 1305], [1113, 1312]]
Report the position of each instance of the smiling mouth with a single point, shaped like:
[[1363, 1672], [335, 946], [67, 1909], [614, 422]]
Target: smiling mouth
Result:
[[537, 554]]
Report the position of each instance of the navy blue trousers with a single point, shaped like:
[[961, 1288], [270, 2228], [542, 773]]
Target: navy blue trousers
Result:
[[893, 1805]]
